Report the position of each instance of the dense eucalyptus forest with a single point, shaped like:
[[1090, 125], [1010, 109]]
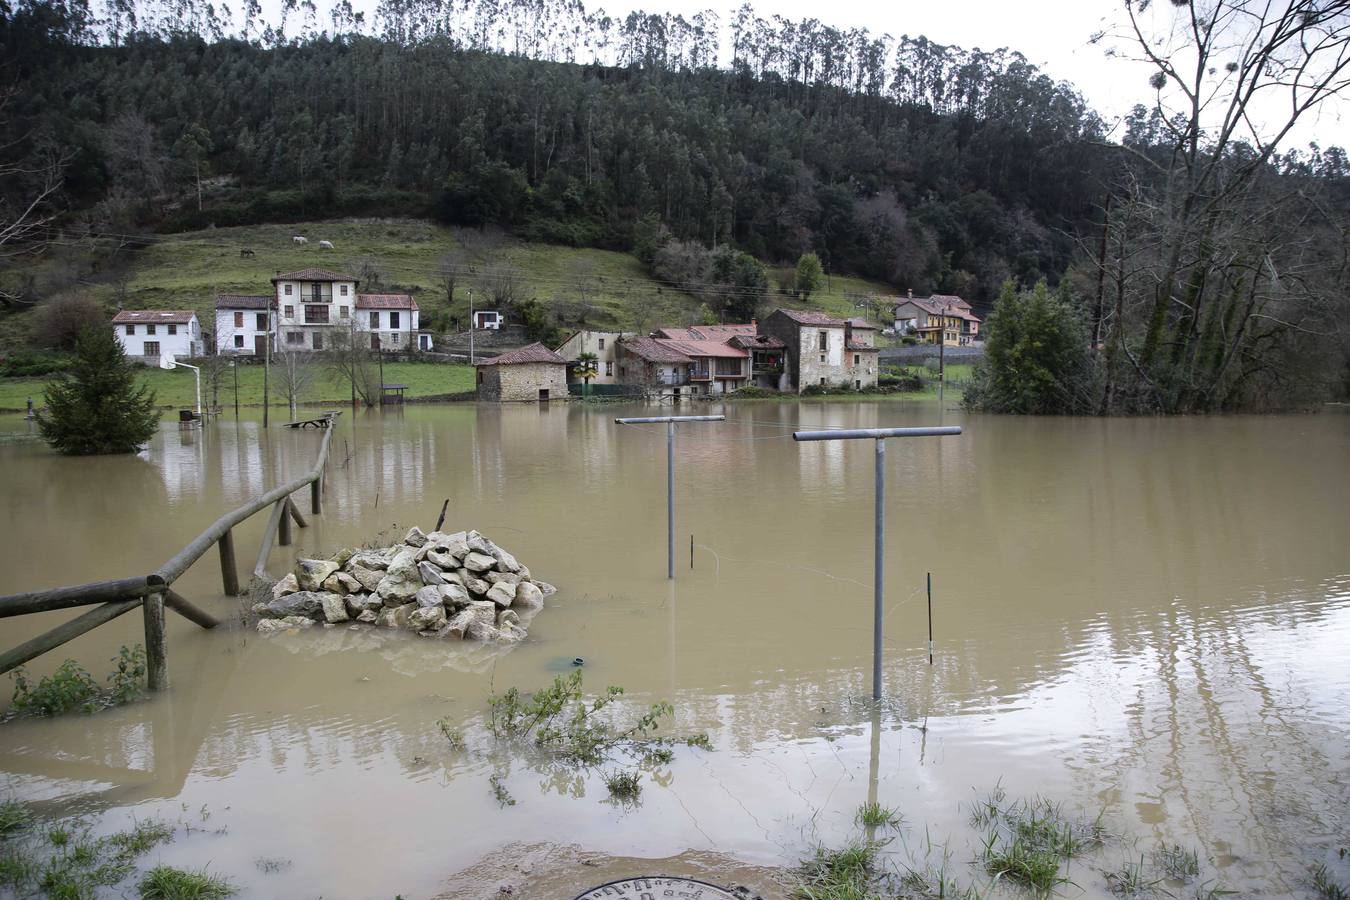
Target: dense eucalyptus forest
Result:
[[1202, 260]]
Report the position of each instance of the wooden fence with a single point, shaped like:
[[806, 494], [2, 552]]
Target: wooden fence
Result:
[[154, 593]]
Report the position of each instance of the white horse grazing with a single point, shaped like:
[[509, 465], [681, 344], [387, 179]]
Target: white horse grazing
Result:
[[325, 245], [300, 240]]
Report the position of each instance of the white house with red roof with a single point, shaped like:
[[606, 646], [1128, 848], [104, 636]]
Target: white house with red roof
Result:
[[242, 324], [149, 335]]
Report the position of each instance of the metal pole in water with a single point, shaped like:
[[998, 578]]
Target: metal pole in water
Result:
[[670, 499], [691, 551], [930, 618], [878, 575], [879, 569], [670, 422]]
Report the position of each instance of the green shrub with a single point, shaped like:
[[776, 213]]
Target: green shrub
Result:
[[71, 686], [167, 883], [28, 364]]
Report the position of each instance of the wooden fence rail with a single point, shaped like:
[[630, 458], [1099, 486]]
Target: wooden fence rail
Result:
[[153, 592]]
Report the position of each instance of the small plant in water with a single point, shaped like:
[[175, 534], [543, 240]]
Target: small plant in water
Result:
[[270, 864], [71, 687], [504, 798], [453, 736], [874, 815], [14, 817], [625, 786], [1129, 880], [167, 883], [1177, 863], [839, 874], [1327, 887]]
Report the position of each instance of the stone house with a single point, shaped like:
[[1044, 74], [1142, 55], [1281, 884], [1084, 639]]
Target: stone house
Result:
[[819, 349], [533, 372], [391, 320], [605, 346], [148, 335], [653, 365]]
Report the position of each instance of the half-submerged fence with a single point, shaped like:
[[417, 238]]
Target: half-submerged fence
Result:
[[154, 593]]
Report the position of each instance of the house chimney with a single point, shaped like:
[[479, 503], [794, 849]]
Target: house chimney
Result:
[[910, 293], [754, 323]]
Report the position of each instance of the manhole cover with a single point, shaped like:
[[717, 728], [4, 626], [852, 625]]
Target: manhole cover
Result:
[[657, 887]]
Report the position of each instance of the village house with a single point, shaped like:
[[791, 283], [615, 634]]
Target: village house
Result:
[[767, 369], [311, 304], [603, 344], [391, 320], [149, 335], [822, 350], [242, 324], [942, 317], [533, 372], [653, 365], [487, 320]]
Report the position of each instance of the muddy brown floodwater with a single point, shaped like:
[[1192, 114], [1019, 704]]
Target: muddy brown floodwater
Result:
[[1145, 618]]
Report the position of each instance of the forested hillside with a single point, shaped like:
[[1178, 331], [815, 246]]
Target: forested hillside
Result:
[[925, 167]]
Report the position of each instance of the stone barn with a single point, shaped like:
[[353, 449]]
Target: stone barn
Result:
[[530, 373]]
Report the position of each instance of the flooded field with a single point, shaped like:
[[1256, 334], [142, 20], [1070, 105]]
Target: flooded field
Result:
[[1142, 619]]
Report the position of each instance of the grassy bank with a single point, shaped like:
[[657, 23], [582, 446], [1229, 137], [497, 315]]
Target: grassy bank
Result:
[[176, 388], [599, 289]]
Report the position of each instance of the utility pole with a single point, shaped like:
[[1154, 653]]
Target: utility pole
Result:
[[670, 423], [267, 358], [351, 357], [470, 290], [879, 530], [234, 366]]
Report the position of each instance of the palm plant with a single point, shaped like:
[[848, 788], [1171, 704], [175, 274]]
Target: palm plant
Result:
[[587, 368]]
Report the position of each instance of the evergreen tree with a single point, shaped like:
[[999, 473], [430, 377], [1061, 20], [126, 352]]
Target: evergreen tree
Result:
[[97, 406], [1036, 356], [809, 273]]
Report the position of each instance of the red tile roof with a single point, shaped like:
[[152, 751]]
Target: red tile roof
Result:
[[938, 306], [653, 350], [705, 348], [313, 275], [811, 317], [241, 301], [174, 316], [385, 301], [856, 347], [533, 353], [706, 332], [861, 324]]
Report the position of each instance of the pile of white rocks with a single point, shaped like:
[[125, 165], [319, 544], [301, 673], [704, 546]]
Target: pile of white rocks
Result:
[[457, 585]]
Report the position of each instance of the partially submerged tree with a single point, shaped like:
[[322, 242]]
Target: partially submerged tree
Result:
[[350, 362], [587, 368], [61, 321], [295, 372], [97, 406]]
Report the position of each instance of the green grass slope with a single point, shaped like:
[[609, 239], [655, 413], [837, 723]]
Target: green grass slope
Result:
[[598, 289]]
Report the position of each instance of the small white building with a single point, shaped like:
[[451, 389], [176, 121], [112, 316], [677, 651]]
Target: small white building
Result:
[[391, 320], [487, 319], [241, 325], [148, 335]]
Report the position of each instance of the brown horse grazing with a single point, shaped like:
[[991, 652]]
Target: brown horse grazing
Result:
[[245, 252]]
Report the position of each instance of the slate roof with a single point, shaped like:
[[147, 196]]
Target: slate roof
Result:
[[653, 350], [173, 316], [757, 342], [241, 301], [313, 275], [861, 324], [385, 301], [532, 353], [811, 317], [855, 347]]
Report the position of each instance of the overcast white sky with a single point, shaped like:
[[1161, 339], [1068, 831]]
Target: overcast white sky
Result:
[[1053, 34]]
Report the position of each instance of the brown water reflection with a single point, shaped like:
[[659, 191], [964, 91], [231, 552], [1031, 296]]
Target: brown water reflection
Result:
[[1145, 616]]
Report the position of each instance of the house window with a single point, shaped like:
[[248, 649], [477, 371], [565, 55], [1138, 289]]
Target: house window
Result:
[[238, 320], [290, 312], [822, 357], [857, 359], [131, 329], [150, 328], [295, 337], [824, 342], [239, 341], [318, 340], [342, 289], [342, 312], [822, 382], [151, 348], [173, 329], [288, 290], [480, 376], [316, 293], [316, 315], [393, 339], [393, 319], [602, 343], [609, 368], [374, 318], [260, 322]]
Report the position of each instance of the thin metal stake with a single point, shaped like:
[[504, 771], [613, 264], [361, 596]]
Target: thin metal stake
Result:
[[691, 551], [879, 569], [930, 618]]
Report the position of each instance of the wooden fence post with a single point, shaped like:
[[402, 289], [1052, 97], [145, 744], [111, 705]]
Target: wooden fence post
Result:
[[315, 498], [284, 526], [156, 648], [229, 572]]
